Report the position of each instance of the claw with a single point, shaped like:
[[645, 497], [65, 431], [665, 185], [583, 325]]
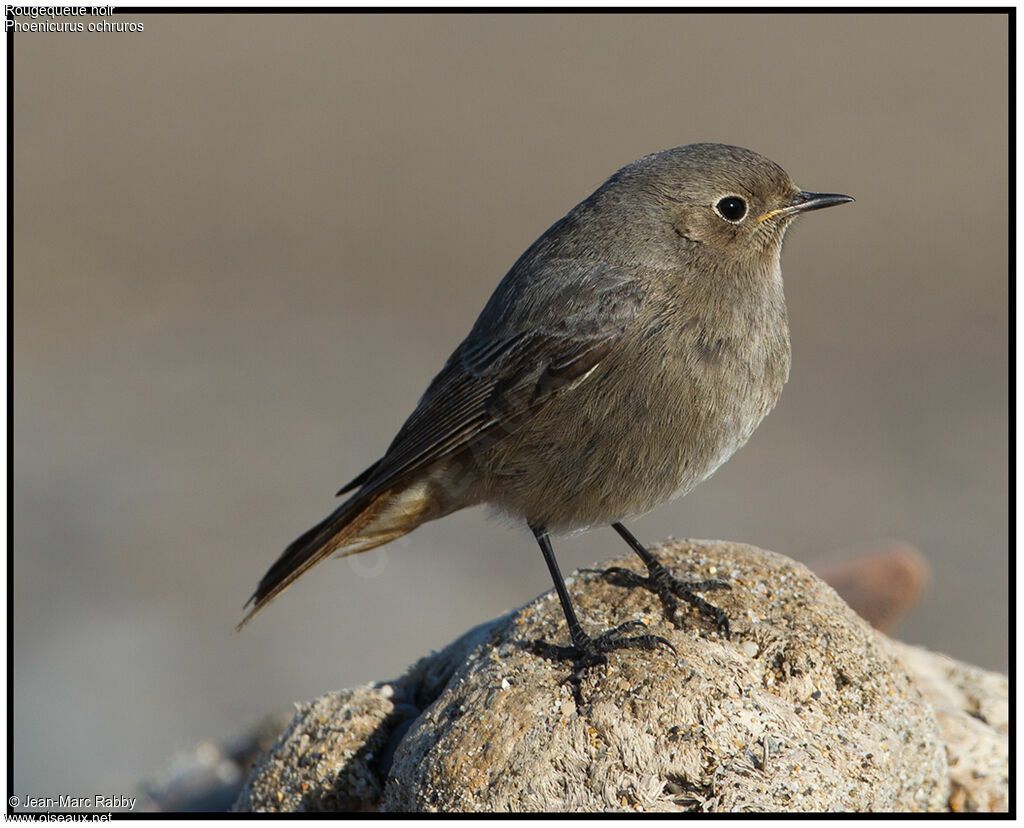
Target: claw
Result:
[[668, 588], [702, 586], [589, 652], [620, 576]]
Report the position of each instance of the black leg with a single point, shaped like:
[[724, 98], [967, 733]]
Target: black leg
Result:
[[580, 639], [588, 652], [666, 586]]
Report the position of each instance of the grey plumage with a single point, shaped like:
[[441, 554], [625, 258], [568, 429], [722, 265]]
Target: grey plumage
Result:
[[626, 355]]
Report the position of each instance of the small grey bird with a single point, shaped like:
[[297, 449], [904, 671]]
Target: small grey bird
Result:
[[624, 357]]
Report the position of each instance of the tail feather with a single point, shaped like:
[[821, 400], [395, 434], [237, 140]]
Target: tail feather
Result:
[[339, 530], [361, 523]]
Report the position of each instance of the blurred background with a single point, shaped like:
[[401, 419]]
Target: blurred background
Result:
[[245, 243]]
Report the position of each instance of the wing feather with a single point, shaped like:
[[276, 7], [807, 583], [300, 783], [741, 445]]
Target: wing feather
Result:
[[493, 383]]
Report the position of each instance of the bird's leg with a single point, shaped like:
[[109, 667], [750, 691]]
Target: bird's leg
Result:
[[585, 651], [666, 586]]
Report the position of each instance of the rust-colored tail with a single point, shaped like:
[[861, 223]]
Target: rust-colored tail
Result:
[[359, 524]]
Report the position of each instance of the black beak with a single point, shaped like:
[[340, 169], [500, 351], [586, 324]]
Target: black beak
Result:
[[805, 202]]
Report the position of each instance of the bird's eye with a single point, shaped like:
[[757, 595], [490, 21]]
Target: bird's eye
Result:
[[731, 208]]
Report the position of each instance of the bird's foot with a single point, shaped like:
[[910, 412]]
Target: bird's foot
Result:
[[670, 589], [587, 653]]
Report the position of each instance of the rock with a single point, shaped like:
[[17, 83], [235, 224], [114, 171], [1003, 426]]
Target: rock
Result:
[[806, 708], [209, 777], [972, 710], [881, 581], [322, 762]]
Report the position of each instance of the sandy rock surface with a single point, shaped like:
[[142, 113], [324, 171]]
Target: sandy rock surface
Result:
[[804, 708]]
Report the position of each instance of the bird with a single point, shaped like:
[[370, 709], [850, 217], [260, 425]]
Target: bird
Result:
[[626, 355]]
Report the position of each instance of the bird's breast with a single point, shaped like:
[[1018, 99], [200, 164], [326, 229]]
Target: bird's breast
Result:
[[667, 407]]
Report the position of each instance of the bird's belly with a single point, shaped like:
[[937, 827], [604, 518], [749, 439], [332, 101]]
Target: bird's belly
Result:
[[624, 447]]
